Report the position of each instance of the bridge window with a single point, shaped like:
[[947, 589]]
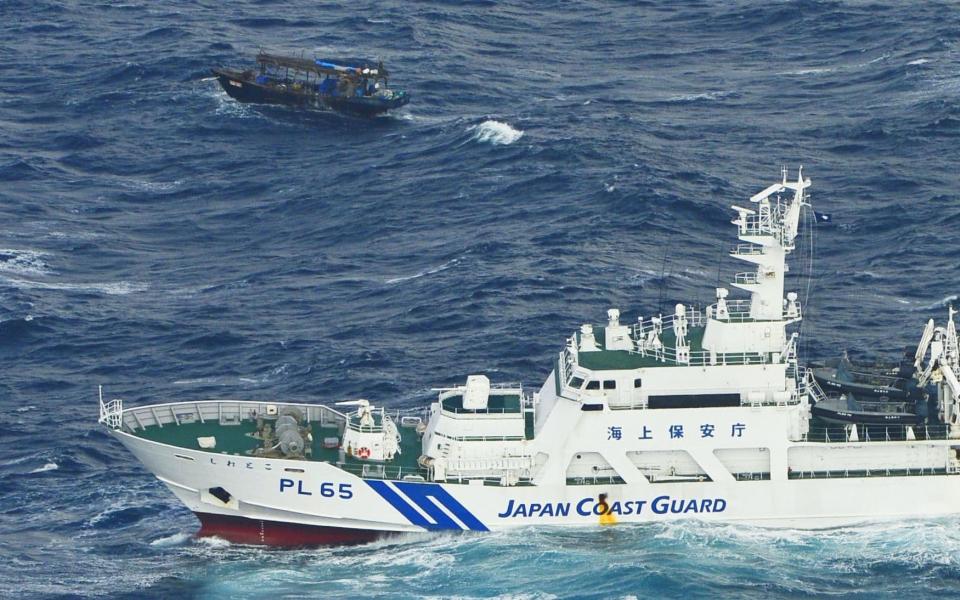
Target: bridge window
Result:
[[593, 385], [609, 385], [637, 383], [576, 382], [694, 401]]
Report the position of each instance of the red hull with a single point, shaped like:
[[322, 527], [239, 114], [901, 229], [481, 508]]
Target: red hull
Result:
[[242, 530]]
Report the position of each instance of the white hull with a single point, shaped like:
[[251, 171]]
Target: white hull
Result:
[[255, 484]]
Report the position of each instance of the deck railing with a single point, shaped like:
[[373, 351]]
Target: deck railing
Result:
[[747, 250], [496, 389], [567, 359], [481, 438], [703, 358], [223, 411], [483, 411], [111, 413], [878, 433], [902, 472], [738, 311]]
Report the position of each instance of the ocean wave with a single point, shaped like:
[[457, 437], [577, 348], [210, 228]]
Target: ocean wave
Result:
[[227, 106], [495, 132], [942, 303], [213, 542], [809, 71], [50, 466], [234, 380], [149, 186], [75, 235], [119, 288], [425, 272], [23, 262], [707, 96], [176, 539]]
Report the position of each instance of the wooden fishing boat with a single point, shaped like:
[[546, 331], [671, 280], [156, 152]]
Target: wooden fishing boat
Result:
[[356, 87]]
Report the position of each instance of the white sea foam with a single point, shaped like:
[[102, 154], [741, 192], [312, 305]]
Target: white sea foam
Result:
[[230, 107], [75, 235], [808, 71], [213, 542], [23, 262], [424, 273], [141, 185], [943, 303], [16, 461], [919, 61], [495, 132], [119, 288], [718, 95], [171, 540], [28, 408], [235, 380], [50, 466]]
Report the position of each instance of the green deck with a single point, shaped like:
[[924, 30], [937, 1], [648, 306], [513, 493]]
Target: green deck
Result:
[[231, 439], [500, 403], [237, 440], [613, 360]]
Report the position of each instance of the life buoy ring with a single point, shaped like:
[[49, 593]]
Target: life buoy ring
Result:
[[363, 452]]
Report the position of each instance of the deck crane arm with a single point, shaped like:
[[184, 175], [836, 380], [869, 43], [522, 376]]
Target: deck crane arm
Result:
[[923, 345]]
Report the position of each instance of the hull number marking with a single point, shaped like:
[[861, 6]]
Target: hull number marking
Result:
[[344, 491]]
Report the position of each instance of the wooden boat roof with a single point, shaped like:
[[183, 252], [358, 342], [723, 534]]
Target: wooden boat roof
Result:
[[323, 66]]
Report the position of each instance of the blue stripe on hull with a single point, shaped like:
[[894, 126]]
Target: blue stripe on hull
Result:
[[427, 496]]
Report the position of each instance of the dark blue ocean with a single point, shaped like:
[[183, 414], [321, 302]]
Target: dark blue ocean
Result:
[[557, 159]]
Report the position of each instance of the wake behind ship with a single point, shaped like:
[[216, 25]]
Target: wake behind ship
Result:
[[691, 415], [355, 87]]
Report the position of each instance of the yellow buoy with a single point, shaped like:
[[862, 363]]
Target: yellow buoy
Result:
[[606, 517]]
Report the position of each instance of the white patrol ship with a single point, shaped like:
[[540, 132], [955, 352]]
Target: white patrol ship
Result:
[[693, 415]]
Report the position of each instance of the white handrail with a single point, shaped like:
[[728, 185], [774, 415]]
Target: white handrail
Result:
[[111, 413]]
